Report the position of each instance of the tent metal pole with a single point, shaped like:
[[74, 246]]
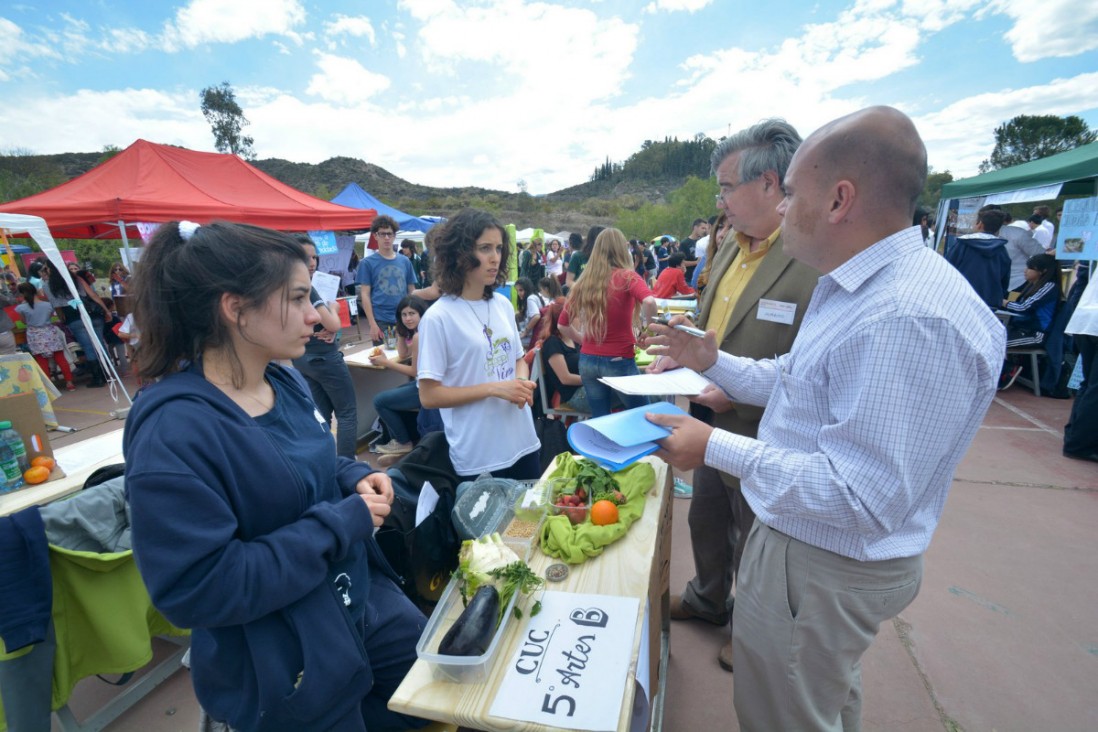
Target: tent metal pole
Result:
[[125, 243]]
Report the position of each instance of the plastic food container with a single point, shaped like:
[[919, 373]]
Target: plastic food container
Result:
[[532, 499], [521, 534], [483, 507], [561, 486], [462, 669]]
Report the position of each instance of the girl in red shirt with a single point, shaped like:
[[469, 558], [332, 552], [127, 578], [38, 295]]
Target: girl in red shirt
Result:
[[605, 309]]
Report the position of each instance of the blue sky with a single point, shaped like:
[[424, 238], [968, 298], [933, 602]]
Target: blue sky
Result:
[[492, 92]]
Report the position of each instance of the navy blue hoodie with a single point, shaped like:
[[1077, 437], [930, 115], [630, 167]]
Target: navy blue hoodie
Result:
[[230, 544], [985, 263]]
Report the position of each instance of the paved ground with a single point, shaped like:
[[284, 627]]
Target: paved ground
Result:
[[1002, 636]]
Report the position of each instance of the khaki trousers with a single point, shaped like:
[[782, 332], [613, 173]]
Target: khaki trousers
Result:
[[803, 619]]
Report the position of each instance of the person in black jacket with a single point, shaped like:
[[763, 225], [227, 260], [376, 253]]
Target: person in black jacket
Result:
[[247, 527], [983, 259]]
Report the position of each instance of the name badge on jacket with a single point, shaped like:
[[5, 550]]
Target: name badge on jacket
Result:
[[776, 311]]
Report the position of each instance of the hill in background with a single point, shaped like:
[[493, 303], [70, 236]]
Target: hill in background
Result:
[[648, 176]]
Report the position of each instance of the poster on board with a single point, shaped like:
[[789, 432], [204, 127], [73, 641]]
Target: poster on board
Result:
[[1078, 234], [325, 242]]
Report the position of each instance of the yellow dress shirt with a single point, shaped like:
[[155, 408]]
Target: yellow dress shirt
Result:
[[735, 279]]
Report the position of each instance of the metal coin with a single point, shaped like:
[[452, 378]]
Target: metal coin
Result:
[[556, 572]]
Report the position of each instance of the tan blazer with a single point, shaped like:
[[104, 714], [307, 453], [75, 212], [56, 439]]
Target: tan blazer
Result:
[[779, 277]]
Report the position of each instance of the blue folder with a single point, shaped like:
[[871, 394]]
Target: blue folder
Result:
[[622, 438]]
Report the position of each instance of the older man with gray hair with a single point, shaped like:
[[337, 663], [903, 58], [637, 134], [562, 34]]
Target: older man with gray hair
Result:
[[755, 300]]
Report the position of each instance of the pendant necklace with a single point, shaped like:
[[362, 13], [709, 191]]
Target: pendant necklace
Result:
[[486, 327]]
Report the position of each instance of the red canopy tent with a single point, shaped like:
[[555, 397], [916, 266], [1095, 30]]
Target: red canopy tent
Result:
[[154, 183]]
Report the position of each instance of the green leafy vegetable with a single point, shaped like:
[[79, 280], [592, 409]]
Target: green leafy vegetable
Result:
[[599, 481], [518, 577], [488, 561]]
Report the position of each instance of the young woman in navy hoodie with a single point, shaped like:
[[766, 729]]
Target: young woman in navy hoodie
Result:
[[247, 528]]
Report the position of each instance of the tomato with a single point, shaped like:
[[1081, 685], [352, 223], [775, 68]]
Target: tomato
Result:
[[576, 514], [44, 461], [37, 474]]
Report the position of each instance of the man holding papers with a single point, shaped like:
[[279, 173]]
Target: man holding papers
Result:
[[755, 300], [866, 420]]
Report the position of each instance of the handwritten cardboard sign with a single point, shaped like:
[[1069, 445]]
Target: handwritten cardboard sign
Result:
[[571, 666]]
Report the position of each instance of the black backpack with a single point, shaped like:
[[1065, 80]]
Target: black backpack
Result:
[[426, 555]]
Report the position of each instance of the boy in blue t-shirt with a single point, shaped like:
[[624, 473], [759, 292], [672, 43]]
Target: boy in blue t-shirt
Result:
[[383, 279]]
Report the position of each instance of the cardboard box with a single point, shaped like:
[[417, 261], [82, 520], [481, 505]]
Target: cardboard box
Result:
[[25, 415]]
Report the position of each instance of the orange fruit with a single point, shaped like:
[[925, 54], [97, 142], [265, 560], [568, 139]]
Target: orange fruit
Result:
[[44, 461], [37, 474], [604, 513]]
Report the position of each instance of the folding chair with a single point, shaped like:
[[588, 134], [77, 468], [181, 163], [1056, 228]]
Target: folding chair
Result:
[[537, 373]]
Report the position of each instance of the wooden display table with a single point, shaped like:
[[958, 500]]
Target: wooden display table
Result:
[[369, 381], [638, 565], [78, 461]]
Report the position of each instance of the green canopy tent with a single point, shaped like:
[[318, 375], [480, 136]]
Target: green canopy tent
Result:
[[1071, 173], [1075, 171]]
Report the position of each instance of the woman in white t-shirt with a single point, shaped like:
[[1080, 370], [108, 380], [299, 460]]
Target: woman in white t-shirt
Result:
[[470, 356], [554, 260]]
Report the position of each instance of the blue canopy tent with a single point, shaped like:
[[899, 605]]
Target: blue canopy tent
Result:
[[353, 196]]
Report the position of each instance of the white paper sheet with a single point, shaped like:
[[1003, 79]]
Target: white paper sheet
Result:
[[326, 285], [572, 663], [428, 499], [86, 453], [676, 381], [362, 358]]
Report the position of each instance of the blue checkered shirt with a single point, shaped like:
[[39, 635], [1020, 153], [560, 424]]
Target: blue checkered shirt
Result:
[[870, 412]]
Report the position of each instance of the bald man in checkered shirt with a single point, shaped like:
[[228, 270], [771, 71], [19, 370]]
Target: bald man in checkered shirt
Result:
[[866, 419]]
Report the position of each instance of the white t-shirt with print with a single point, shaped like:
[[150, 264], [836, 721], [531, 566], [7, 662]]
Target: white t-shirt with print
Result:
[[465, 343]]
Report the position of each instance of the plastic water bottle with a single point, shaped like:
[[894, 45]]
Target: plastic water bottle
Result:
[[15, 442], [13, 476]]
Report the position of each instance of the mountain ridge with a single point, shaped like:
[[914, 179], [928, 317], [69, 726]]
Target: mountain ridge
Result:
[[612, 189]]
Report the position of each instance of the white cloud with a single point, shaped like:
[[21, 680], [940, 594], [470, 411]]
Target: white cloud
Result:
[[801, 79], [90, 119], [568, 56], [344, 81], [532, 90], [961, 135], [16, 43], [1051, 28], [671, 6], [935, 15], [230, 21], [358, 27]]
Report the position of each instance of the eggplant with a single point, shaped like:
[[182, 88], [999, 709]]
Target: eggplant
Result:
[[472, 632]]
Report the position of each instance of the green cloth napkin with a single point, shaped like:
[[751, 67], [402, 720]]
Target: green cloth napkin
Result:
[[575, 543]]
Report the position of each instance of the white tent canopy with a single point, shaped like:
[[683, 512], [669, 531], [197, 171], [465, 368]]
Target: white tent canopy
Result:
[[36, 227], [525, 235], [416, 236]]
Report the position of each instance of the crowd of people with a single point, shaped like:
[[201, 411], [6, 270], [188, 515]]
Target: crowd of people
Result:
[[47, 309], [851, 366], [1012, 267]]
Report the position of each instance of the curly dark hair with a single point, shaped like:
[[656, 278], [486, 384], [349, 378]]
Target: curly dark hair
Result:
[[453, 253], [383, 222]]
